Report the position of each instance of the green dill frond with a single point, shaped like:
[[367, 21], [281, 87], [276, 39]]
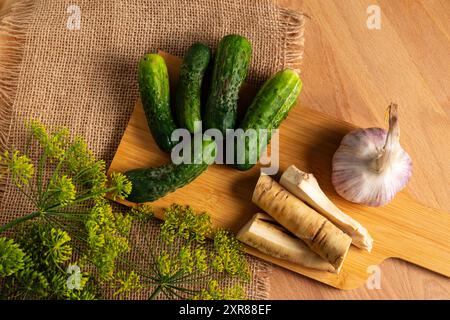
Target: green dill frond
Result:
[[11, 257], [62, 190], [47, 253], [182, 267], [211, 292], [166, 265], [229, 256], [107, 238], [186, 257], [84, 168], [236, 292], [126, 282], [58, 248], [215, 292], [47, 246], [123, 223], [67, 187], [184, 222], [142, 212], [38, 131], [201, 259], [54, 144], [82, 295], [19, 166], [121, 185], [78, 156], [28, 283]]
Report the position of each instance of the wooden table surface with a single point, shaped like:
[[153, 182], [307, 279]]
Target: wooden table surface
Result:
[[353, 73]]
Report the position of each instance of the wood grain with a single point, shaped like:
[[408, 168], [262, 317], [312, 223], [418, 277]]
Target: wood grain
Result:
[[4, 4], [351, 72], [335, 72], [308, 139]]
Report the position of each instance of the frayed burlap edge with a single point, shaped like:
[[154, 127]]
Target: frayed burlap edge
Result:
[[14, 23], [262, 272], [292, 24]]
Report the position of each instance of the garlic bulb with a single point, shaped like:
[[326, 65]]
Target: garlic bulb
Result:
[[370, 166]]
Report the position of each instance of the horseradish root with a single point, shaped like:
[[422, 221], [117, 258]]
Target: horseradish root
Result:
[[306, 188], [266, 235], [317, 232]]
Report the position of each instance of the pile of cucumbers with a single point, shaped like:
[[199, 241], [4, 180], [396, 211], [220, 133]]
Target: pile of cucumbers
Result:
[[268, 109]]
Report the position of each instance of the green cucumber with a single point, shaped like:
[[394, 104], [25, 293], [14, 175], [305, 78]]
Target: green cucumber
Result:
[[155, 96], [150, 184], [230, 70], [269, 108], [188, 95]]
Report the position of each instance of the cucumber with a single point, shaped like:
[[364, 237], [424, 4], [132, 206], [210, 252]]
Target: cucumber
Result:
[[153, 183], [188, 94], [269, 108], [230, 70], [155, 96]]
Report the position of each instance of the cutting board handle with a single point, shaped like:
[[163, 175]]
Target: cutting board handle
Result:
[[424, 238]]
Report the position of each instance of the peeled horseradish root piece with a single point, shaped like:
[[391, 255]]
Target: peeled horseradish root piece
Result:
[[266, 235], [306, 188], [317, 232]]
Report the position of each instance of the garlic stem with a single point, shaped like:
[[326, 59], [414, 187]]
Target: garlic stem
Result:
[[392, 143]]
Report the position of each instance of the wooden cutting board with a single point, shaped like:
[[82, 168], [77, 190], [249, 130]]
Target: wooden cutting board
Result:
[[403, 229]]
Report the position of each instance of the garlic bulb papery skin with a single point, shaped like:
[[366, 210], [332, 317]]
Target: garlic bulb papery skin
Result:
[[370, 166]]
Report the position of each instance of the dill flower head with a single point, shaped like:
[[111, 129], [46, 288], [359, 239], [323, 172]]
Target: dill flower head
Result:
[[46, 252], [229, 256], [166, 265], [107, 237], [79, 157], [183, 258], [54, 144], [44, 243], [121, 185], [126, 282], [11, 257], [214, 292], [19, 166], [182, 221], [201, 259], [57, 247], [142, 212], [62, 190]]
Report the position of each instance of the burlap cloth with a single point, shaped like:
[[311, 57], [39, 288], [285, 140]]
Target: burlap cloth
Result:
[[86, 79]]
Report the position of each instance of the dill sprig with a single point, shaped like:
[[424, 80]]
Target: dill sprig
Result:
[[67, 186], [182, 259], [42, 254], [11, 257]]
